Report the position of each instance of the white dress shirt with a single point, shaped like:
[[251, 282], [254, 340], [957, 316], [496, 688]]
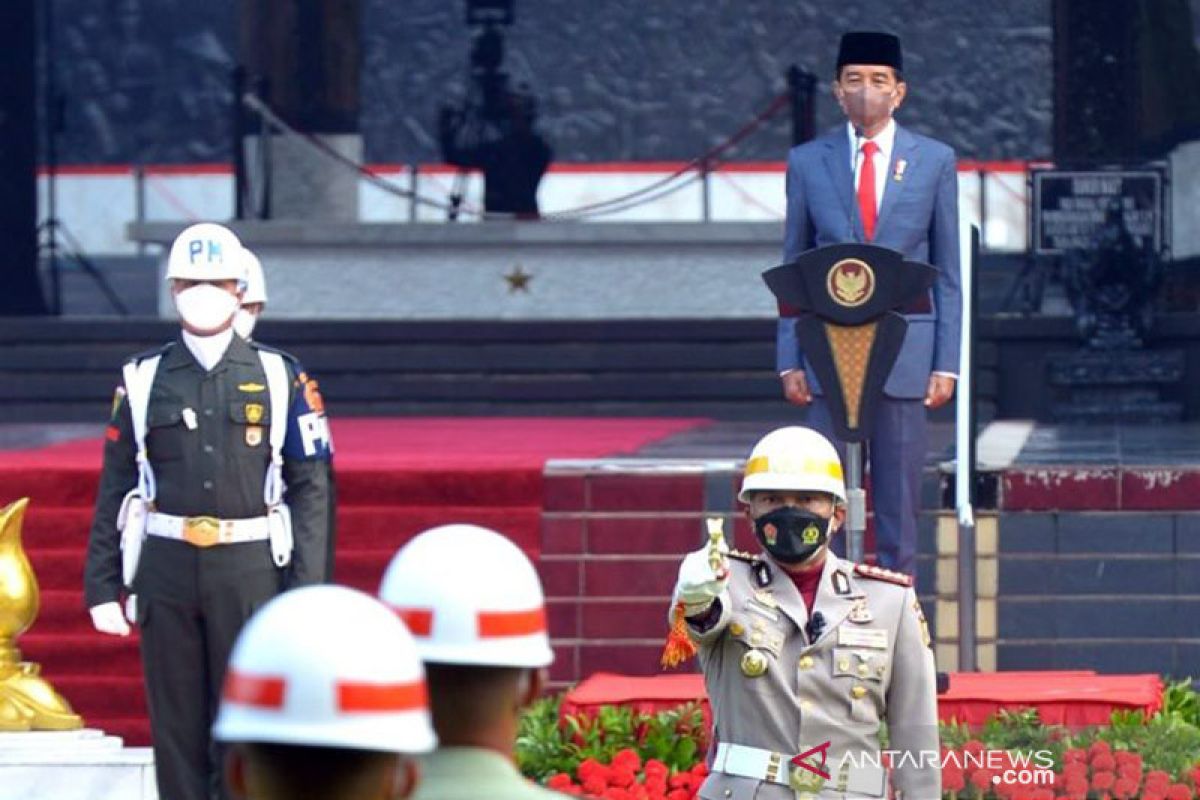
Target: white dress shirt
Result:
[[886, 140]]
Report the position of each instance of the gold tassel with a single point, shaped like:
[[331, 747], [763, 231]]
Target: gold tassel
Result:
[[679, 647]]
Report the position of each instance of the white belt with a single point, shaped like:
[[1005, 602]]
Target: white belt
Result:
[[772, 767], [207, 531]]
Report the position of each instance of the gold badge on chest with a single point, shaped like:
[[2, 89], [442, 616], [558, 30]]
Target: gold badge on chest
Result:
[[254, 413], [754, 663], [254, 435]]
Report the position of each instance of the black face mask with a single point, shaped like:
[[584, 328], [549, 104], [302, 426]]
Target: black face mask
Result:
[[792, 535]]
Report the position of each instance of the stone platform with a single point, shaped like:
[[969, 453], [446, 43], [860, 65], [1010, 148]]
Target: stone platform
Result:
[[507, 270], [74, 765]]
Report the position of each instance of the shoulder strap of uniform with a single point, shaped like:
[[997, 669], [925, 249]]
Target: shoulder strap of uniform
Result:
[[139, 378], [285, 355], [277, 389], [881, 574]]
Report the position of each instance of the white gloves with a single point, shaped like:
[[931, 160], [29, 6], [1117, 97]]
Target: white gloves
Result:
[[108, 618], [698, 585]]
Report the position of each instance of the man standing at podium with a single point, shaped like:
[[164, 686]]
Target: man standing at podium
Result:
[[873, 181]]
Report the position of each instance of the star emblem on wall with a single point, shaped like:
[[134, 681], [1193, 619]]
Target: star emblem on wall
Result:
[[518, 280]]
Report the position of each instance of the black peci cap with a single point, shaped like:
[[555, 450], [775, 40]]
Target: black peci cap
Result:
[[870, 47]]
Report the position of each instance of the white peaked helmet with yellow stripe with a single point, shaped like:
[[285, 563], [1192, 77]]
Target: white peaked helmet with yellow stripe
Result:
[[470, 597], [206, 251], [793, 459], [326, 666]]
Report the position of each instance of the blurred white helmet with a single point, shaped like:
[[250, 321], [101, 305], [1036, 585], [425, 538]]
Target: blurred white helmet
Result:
[[326, 666], [256, 282], [470, 597], [793, 459], [206, 252]]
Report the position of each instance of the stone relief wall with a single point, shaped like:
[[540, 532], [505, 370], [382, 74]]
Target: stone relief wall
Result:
[[148, 80]]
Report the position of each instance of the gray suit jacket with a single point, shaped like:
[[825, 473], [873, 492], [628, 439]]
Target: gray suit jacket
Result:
[[871, 663], [918, 217]]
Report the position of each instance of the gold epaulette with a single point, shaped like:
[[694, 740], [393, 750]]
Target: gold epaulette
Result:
[[881, 574]]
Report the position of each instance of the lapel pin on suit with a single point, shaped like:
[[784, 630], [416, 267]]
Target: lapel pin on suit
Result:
[[898, 173]]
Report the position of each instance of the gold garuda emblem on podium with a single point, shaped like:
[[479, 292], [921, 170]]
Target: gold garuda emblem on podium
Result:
[[847, 301], [851, 282]]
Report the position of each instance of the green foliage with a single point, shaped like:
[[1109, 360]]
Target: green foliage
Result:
[[547, 745], [1166, 741], [1180, 700]]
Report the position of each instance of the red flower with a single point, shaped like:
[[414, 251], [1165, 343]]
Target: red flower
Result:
[[1075, 770], [679, 794], [1195, 775], [1131, 771], [1125, 789], [953, 779], [613, 793], [1103, 781], [1075, 756], [1077, 788], [684, 780], [655, 768], [590, 769], [1104, 762], [982, 779], [1043, 794], [627, 759], [560, 780], [1179, 791], [655, 785], [621, 778], [595, 785], [1099, 746], [1158, 780], [700, 770], [1126, 757]]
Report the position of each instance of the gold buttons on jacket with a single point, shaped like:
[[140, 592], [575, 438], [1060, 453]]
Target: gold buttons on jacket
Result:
[[863, 669], [806, 662], [843, 664], [754, 663], [737, 628], [858, 692]]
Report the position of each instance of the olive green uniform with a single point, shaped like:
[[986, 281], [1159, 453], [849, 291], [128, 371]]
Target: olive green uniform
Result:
[[207, 439]]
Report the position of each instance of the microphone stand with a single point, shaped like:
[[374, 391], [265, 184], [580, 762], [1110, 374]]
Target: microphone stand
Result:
[[856, 496]]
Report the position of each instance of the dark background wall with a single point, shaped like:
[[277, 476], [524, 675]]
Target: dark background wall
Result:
[[147, 80]]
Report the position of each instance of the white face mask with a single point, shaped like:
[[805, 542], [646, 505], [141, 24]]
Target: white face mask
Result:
[[243, 323], [206, 308]]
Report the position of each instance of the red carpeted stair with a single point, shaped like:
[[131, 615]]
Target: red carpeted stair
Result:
[[395, 477]]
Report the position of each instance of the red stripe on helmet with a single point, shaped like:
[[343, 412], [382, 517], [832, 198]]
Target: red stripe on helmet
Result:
[[511, 623], [419, 621], [260, 691], [380, 697]]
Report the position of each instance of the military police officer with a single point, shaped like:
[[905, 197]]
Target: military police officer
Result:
[[804, 654], [484, 641], [212, 498], [324, 698], [254, 299]]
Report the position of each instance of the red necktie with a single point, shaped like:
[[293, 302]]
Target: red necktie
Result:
[[866, 188]]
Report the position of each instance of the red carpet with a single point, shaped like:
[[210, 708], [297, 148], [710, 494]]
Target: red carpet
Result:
[[395, 477]]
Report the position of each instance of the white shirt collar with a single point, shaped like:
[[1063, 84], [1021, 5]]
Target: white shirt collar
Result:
[[886, 139], [208, 349]]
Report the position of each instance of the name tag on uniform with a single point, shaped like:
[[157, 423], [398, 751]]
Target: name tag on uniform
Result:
[[875, 638]]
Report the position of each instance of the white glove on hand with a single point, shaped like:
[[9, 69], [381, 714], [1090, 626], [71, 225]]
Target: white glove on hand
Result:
[[108, 618], [698, 585]]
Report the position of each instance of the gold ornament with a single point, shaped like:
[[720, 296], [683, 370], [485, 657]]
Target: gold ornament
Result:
[[754, 664], [27, 701]]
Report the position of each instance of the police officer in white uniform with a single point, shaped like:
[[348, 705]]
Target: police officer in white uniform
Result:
[[791, 675]]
